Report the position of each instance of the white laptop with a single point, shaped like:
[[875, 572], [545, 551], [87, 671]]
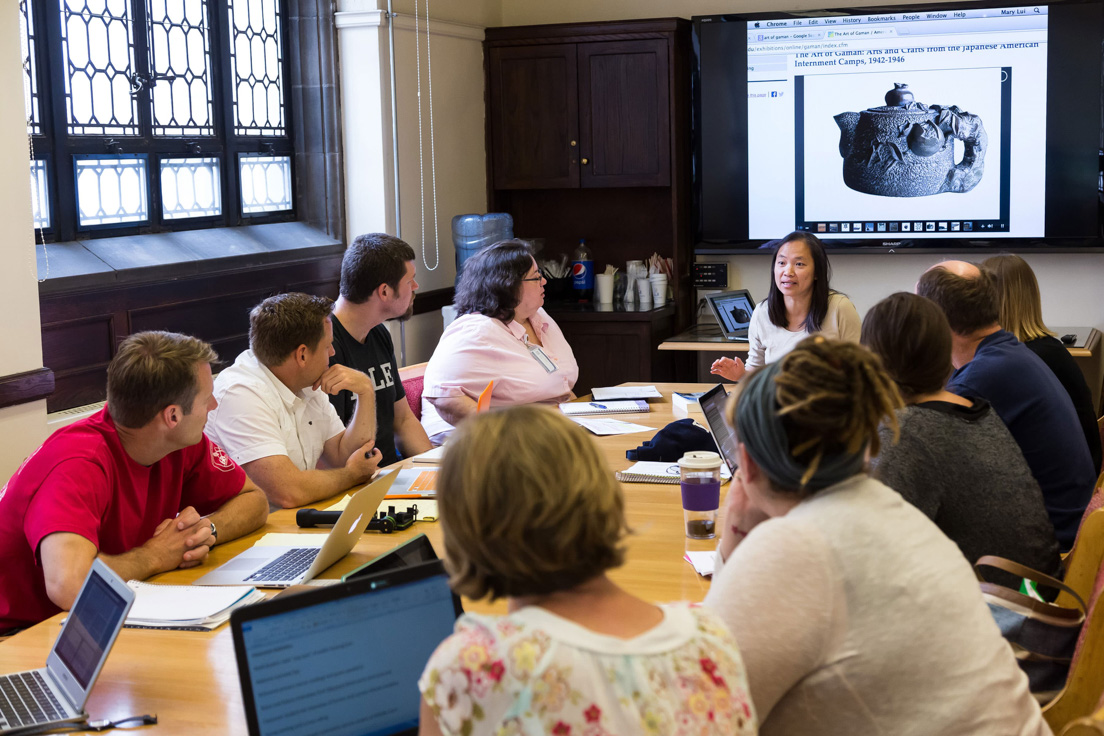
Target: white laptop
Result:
[[40, 699], [282, 567]]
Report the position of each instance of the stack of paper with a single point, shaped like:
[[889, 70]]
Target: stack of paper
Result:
[[186, 607], [702, 562]]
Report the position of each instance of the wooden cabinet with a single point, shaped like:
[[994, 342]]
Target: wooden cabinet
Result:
[[624, 117], [588, 137], [590, 114], [533, 94], [612, 347]]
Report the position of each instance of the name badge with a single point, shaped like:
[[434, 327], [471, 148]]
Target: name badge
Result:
[[541, 357]]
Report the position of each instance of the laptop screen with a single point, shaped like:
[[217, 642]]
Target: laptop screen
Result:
[[413, 552], [90, 629], [712, 404], [733, 311], [348, 664]]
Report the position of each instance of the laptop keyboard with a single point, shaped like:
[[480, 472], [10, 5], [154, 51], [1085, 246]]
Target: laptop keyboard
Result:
[[25, 699], [287, 566]]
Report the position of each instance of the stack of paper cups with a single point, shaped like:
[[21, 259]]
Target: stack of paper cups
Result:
[[603, 284], [644, 291], [659, 288]]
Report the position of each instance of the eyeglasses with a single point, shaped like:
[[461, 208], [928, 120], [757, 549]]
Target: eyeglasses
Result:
[[534, 278]]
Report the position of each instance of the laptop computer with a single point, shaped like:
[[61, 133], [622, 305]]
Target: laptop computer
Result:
[[413, 551], [343, 660], [38, 699], [733, 312], [712, 404], [281, 567]]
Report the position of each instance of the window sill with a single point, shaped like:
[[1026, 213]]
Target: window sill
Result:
[[104, 263]]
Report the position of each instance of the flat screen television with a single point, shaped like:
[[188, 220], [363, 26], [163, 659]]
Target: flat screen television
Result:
[[961, 126]]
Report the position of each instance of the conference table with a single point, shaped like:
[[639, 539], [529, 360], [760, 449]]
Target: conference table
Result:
[[190, 679]]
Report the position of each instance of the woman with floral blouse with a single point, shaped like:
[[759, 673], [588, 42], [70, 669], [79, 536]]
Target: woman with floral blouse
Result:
[[530, 512]]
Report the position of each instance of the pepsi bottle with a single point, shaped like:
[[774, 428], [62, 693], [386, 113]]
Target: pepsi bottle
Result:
[[582, 273]]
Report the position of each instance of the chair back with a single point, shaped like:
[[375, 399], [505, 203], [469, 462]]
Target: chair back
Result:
[[1085, 574], [413, 381], [1091, 726]]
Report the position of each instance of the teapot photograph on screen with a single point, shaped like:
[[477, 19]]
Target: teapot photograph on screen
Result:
[[907, 149]]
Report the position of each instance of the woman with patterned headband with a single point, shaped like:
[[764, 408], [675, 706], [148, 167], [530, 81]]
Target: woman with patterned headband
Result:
[[853, 611]]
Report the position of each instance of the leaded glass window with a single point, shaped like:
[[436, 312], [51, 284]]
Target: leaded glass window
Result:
[[97, 38], [180, 49], [256, 51], [190, 188], [154, 115], [265, 183], [40, 195], [111, 189]]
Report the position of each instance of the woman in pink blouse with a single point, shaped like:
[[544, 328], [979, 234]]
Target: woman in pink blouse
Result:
[[502, 334]]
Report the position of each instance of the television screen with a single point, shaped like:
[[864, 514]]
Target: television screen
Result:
[[957, 126]]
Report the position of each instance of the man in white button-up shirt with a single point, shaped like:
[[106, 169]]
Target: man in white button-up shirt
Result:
[[274, 417]]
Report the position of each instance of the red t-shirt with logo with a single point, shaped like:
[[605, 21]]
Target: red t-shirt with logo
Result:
[[82, 481]]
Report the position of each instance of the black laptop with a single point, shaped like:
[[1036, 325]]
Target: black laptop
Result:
[[712, 404], [343, 660], [413, 551]]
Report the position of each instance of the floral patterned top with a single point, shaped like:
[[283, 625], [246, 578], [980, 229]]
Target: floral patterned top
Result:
[[533, 672]]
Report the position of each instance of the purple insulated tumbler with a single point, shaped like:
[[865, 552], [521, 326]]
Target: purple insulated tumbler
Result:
[[700, 480]]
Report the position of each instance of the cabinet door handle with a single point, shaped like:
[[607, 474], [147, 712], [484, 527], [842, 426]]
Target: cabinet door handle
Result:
[[573, 144], [585, 162]]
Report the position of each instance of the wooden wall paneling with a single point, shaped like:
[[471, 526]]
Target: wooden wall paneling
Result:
[[78, 351], [214, 308]]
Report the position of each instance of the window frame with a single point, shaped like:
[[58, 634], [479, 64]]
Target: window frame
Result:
[[58, 147]]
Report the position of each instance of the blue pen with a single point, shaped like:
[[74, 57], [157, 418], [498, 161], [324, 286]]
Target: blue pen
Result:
[[598, 406]]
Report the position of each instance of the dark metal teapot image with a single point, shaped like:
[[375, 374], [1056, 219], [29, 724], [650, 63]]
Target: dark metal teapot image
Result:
[[906, 148]]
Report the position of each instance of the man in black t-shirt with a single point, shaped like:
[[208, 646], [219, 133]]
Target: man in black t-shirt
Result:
[[377, 284]]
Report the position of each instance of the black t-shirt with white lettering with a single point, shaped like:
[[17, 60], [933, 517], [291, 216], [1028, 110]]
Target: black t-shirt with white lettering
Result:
[[375, 357]]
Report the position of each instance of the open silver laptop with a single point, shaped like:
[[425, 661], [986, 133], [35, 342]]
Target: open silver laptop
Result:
[[282, 567], [712, 404], [37, 699], [733, 312]]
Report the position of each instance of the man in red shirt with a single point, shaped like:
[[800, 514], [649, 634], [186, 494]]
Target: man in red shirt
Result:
[[136, 484]]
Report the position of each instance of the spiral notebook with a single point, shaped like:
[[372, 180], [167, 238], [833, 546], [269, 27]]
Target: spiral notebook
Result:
[[588, 408], [647, 471]]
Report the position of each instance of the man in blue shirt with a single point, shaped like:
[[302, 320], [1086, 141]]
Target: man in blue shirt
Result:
[[992, 364]]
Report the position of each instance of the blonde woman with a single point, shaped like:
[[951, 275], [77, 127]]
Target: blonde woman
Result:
[[531, 513], [1021, 313], [855, 614]]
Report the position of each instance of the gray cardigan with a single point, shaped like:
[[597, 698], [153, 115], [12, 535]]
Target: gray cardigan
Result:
[[962, 468]]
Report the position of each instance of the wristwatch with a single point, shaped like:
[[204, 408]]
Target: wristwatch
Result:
[[214, 531]]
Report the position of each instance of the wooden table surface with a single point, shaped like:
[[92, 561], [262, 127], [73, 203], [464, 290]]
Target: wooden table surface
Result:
[[190, 679]]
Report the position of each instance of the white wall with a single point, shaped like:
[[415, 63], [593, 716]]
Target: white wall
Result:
[[452, 161], [22, 427], [1070, 283]]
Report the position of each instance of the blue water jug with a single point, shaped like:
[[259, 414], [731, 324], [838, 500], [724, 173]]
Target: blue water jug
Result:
[[472, 233]]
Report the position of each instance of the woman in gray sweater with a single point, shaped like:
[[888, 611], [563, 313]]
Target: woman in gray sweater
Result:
[[955, 460]]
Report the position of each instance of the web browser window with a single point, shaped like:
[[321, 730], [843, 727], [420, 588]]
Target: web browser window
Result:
[[919, 123]]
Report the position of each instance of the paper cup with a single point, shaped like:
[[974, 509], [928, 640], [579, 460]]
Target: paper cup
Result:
[[644, 291], [603, 284], [659, 288]]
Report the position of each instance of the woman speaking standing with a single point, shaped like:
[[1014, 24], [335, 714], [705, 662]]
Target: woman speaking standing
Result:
[[800, 303]]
